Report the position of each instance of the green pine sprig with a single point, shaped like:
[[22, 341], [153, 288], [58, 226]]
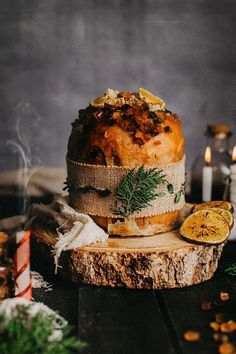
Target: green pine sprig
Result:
[[20, 337], [70, 187], [231, 269], [138, 189]]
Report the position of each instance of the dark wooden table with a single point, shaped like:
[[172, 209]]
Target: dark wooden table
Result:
[[123, 321]]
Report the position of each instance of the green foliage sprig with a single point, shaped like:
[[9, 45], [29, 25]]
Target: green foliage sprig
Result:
[[20, 337], [231, 269], [178, 194], [138, 189], [70, 187]]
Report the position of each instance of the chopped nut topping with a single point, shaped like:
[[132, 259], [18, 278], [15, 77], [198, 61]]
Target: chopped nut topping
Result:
[[128, 111], [191, 336], [167, 129]]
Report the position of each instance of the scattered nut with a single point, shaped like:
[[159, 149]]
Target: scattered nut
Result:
[[227, 327], [219, 318], [219, 337], [191, 336], [216, 336], [226, 348], [206, 305], [215, 326], [224, 338], [224, 296]]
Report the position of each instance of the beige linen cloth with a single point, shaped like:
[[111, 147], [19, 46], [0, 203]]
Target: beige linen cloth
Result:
[[40, 181], [74, 229]]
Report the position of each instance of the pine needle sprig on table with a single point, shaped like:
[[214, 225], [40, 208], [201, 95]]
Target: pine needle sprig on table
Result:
[[138, 189], [21, 337], [231, 269]]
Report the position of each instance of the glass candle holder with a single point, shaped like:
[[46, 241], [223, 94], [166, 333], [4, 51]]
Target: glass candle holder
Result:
[[218, 140]]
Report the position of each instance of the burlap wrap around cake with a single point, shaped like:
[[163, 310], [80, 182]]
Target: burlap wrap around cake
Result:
[[119, 144]]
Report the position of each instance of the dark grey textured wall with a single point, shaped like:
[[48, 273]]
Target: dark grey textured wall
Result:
[[58, 54]]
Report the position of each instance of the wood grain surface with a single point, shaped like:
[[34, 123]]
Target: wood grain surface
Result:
[[155, 262]]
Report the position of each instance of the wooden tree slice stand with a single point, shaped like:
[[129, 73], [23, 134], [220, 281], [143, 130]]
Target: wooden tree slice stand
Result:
[[153, 262]]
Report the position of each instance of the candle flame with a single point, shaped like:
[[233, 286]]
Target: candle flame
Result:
[[234, 154], [208, 155]]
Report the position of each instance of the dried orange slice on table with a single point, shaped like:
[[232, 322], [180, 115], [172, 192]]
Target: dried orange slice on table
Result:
[[205, 227], [215, 204]]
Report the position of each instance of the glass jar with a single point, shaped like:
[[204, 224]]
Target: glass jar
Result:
[[218, 139]]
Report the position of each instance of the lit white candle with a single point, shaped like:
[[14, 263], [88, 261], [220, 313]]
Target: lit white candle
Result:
[[207, 176]]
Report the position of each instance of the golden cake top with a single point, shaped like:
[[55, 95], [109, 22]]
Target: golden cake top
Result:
[[141, 114]]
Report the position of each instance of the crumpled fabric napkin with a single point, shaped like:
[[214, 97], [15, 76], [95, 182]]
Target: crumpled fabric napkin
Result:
[[74, 229]]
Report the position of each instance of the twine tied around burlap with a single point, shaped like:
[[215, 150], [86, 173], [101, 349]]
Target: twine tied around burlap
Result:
[[101, 178]]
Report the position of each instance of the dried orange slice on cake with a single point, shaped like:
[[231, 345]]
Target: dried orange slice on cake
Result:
[[109, 97], [205, 227], [151, 99], [99, 102]]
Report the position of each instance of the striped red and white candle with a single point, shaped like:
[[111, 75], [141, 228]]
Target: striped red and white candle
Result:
[[23, 286]]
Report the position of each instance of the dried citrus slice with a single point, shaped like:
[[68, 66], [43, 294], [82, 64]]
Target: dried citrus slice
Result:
[[226, 214], [205, 227], [214, 204], [150, 98], [99, 102]]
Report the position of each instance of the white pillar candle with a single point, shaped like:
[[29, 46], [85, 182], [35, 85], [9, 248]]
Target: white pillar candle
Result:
[[207, 177], [233, 192]]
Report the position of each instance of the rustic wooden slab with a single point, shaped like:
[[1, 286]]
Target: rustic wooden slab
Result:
[[154, 262]]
